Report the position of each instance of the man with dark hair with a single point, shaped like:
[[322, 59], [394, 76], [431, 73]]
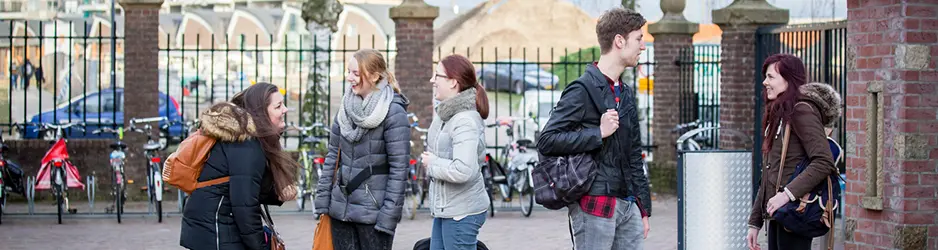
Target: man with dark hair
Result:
[[587, 118]]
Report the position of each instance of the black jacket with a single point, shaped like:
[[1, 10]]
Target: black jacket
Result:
[[228, 215], [574, 128]]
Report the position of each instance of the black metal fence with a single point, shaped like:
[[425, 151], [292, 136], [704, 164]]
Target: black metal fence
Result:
[[64, 64], [699, 93], [822, 47], [310, 70]]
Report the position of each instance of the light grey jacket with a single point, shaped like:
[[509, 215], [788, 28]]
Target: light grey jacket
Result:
[[457, 139]]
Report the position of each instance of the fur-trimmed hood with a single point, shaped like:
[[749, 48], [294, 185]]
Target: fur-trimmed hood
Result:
[[825, 98], [221, 122]]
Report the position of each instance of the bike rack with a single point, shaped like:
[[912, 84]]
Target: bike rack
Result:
[[90, 189], [31, 193]]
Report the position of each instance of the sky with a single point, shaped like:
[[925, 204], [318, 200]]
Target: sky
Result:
[[695, 10]]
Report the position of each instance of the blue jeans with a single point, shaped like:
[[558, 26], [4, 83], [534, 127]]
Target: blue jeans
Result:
[[623, 231], [449, 234]]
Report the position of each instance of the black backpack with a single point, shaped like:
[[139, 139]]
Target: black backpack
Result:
[[424, 244]]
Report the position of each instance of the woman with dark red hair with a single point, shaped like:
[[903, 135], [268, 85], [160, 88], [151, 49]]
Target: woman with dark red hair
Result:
[[806, 109], [455, 150]]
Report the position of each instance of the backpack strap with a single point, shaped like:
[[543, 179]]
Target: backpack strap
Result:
[[360, 178], [212, 182]]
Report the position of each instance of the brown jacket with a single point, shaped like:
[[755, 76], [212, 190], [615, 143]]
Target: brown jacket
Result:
[[818, 107]]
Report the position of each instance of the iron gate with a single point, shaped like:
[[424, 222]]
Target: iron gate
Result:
[[699, 93]]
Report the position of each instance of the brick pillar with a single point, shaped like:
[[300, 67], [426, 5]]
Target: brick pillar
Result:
[[413, 21], [141, 48], [892, 125], [672, 34], [739, 22]]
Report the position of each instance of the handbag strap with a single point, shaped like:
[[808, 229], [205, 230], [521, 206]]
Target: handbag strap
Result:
[[335, 171], [265, 215], [781, 165]]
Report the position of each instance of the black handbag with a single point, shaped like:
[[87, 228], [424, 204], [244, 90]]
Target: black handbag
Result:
[[811, 215]]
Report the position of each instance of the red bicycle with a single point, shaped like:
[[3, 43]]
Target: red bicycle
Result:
[[57, 172]]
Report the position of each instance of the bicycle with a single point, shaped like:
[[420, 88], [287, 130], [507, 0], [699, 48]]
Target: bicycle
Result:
[[517, 176], [116, 159], [309, 160], [417, 184], [11, 177], [57, 172], [154, 173]]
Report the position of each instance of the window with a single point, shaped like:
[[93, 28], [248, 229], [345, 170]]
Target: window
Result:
[[90, 104]]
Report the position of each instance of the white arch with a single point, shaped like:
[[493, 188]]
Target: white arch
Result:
[[185, 21], [361, 12], [241, 13]]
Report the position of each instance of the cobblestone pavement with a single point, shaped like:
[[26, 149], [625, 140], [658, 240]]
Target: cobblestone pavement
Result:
[[545, 229]]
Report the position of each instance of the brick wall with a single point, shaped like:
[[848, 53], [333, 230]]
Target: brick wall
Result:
[[737, 98], [414, 66], [892, 51], [667, 94], [141, 79]]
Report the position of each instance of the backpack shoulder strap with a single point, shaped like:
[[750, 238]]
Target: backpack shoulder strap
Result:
[[589, 93]]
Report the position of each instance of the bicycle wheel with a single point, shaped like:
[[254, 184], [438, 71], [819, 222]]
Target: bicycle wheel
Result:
[[59, 188], [3, 203], [301, 189], [157, 191], [118, 200], [487, 176], [526, 196], [410, 203]]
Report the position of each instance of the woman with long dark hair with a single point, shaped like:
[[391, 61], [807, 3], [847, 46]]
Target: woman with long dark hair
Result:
[[455, 151], [807, 108], [247, 130], [362, 182]]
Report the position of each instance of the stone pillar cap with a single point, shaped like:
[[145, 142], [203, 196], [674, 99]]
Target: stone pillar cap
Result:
[[414, 9], [750, 12], [673, 21]]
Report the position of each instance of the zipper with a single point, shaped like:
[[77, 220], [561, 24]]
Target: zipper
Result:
[[373, 200], [217, 239], [442, 197]]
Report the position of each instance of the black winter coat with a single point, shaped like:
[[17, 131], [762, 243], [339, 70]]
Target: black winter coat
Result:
[[573, 128], [228, 215]]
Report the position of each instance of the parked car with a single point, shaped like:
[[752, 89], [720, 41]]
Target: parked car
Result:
[[538, 105], [101, 109], [515, 76]]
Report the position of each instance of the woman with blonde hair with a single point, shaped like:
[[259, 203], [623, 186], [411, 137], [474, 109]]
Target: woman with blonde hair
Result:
[[362, 183]]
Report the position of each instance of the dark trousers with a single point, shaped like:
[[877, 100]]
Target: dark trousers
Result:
[[354, 236], [779, 239]]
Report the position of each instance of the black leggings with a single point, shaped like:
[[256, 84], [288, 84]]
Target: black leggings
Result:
[[355, 236], [779, 239]]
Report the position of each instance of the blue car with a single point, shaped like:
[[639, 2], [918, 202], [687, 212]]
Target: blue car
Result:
[[101, 109]]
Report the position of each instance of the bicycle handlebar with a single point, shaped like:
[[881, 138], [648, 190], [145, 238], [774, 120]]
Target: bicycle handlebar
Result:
[[49, 126], [507, 121], [307, 128], [105, 130], [134, 121], [679, 127]]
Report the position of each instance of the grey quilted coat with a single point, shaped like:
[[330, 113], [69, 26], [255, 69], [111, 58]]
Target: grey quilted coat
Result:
[[379, 199]]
